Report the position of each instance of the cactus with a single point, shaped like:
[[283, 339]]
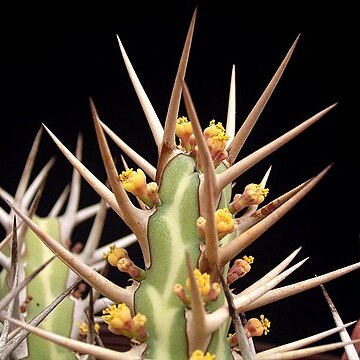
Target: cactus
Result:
[[193, 231]]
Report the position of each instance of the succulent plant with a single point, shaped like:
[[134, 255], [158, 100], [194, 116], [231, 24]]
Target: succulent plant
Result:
[[193, 231]]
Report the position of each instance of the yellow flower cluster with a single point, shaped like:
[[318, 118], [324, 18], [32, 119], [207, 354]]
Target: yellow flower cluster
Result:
[[84, 328], [120, 322], [199, 355], [115, 254], [184, 132], [239, 268], [208, 291], [257, 327], [215, 137], [254, 194], [248, 259], [119, 258], [225, 223], [265, 323], [253, 327], [135, 183]]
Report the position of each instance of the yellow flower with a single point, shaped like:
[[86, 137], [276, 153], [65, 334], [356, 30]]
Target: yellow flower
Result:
[[183, 127], [120, 322], [239, 268], [208, 291], [217, 144], [265, 323], [254, 194], [199, 355], [117, 317], [214, 129], [134, 181], [248, 259], [216, 139], [184, 131], [83, 328], [202, 281], [256, 327], [115, 254], [225, 223]]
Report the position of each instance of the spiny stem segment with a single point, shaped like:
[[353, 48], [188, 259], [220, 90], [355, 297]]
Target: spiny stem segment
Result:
[[137, 218], [168, 144], [198, 334], [186, 211], [19, 337], [99, 282], [207, 206], [76, 345]]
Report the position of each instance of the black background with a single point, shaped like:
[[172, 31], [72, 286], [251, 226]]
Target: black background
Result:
[[54, 59]]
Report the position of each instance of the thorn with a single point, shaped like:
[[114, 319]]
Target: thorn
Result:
[[168, 145], [244, 131], [241, 166], [153, 120], [230, 250]]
